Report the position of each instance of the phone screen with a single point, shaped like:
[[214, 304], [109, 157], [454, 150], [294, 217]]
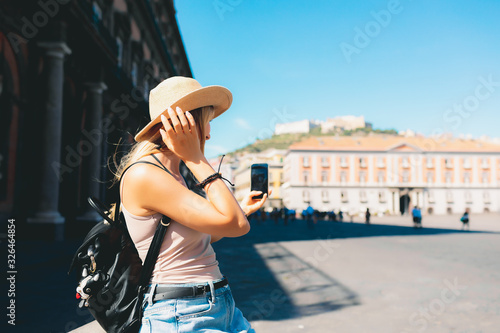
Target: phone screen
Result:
[[259, 177]]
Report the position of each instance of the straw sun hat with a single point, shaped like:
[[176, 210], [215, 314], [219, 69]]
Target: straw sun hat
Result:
[[186, 93]]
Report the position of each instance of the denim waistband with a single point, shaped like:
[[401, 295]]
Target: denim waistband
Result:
[[190, 284], [157, 292]]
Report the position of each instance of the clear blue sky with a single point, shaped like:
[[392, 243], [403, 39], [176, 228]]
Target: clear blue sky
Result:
[[418, 64]]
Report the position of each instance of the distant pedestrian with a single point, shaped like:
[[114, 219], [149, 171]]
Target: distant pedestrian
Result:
[[275, 214], [292, 213], [309, 212], [417, 217], [263, 215], [285, 215], [341, 216], [367, 216], [465, 220]]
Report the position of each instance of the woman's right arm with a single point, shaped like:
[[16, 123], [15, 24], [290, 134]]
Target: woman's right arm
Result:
[[154, 189], [221, 215]]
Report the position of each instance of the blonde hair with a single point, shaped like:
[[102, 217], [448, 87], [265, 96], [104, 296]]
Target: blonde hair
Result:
[[155, 145]]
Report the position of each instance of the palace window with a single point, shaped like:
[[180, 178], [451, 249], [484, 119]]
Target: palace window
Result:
[[430, 197], [362, 162], [343, 177], [97, 12], [466, 178], [485, 177], [324, 196], [119, 46], [362, 177], [447, 177], [380, 162], [362, 196], [405, 176], [430, 163], [484, 163], [406, 162], [133, 73], [382, 197], [448, 163], [343, 196], [306, 196], [486, 197], [324, 177], [146, 90], [468, 197], [325, 163], [449, 196], [305, 176], [381, 177], [467, 163], [430, 177], [305, 162], [343, 162]]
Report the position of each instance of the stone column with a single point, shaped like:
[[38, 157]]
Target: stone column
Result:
[[396, 195], [50, 137], [93, 137]]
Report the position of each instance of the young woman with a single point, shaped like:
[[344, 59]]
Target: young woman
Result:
[[188, 293]]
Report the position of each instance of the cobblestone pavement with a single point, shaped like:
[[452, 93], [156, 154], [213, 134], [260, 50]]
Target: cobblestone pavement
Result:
[[335, 277]]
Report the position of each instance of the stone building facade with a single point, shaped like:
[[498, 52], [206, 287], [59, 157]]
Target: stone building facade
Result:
[[391, 174], [74, 81]]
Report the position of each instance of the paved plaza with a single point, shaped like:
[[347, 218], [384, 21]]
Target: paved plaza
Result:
[[335, 277], [383, 277]]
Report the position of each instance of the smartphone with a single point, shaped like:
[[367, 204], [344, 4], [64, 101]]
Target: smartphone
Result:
[[260, 179]]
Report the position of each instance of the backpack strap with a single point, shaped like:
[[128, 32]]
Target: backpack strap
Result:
[[154, 248], [164, 168], [118, 203]]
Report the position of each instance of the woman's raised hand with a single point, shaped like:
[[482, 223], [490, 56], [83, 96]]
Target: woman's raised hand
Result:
[[250, 205], [181, 135]]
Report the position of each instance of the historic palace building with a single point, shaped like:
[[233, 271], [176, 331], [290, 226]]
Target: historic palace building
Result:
[[74, 80], [392, 174]]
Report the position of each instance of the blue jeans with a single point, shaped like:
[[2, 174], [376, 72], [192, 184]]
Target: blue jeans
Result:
[[205, 313]]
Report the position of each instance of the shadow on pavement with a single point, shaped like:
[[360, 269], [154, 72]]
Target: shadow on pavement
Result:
[[45, 294], [270, 283]]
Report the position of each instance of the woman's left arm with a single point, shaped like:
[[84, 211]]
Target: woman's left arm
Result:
[[249, 205]]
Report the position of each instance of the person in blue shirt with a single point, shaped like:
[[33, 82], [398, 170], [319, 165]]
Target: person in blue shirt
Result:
[[309, 217], [417, 217]]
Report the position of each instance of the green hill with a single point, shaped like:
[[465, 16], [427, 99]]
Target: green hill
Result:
[[283, 141]]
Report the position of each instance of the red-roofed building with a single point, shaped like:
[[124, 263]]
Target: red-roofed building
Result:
[[390, 174]]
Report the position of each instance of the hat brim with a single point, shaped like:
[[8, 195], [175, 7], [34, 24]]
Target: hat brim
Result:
[[217, 96]]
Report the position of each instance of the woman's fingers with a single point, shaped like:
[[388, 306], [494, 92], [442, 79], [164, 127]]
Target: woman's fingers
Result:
[[182, 118], [175, 120], [164, 137], [190, 119], [166, 124]]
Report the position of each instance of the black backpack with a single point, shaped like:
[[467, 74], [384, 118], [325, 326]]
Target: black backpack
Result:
[[112, 279]]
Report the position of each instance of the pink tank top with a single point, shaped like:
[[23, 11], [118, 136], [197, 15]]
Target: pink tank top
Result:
[[185, 256]]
